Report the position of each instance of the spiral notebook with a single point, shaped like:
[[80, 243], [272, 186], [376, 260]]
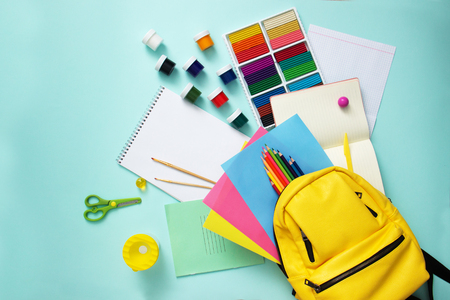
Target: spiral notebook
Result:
[[181, 133]]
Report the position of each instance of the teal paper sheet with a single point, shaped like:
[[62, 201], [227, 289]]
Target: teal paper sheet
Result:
[[247, 173]]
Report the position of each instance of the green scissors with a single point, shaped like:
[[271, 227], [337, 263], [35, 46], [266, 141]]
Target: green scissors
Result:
[[108, 204]]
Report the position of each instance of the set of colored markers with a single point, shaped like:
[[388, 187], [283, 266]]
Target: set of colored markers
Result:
[[280, 170]]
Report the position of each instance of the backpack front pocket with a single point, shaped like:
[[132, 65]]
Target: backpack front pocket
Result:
[[379, 253]]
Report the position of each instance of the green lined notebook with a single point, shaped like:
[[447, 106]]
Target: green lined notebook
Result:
[[196, 249]]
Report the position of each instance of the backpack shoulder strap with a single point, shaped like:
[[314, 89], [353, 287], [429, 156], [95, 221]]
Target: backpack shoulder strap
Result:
[[434, 267]]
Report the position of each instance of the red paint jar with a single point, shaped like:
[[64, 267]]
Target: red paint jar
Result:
[[218, 97]]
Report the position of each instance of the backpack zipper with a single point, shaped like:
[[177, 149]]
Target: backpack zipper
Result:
[[308, 246], [371, 260]]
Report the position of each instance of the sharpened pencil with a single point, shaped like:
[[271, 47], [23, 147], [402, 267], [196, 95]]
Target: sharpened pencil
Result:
[[276, 168], [183, 170], [272, 180], [292, 172], [288, 172], [184, 183], [279, 164], [275, 178]]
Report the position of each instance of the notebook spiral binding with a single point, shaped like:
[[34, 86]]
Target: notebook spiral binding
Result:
[[138, 127]]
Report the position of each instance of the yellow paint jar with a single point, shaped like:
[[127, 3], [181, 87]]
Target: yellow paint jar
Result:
[[203, 39], [140, 252]]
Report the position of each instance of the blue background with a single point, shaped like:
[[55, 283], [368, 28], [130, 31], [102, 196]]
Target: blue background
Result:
[[74, 80]]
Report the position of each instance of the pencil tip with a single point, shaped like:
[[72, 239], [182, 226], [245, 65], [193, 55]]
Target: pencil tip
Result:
[[153, 158]]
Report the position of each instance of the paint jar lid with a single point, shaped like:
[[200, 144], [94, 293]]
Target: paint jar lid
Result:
[[189, 63], [224, 69], [148, 36], [215, 93], [186, 90], [160, 62], [236, 114], [201, 34]]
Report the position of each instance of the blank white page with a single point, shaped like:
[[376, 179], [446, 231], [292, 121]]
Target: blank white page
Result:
[[341, 56]]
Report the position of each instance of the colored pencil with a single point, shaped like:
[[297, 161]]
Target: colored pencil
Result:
[[272, 179], [184, 183], [183, 170], [276, 167], [278, 163], [275, 188], [293, 168], [348, 157], [288, 172], [296, 166], [294, 175], [275, 178]]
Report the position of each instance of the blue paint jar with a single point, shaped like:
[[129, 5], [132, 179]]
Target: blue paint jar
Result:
[[226, 74], [193, 67]]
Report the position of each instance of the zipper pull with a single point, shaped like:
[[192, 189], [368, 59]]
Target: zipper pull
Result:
[[308, 246], [316, 287]]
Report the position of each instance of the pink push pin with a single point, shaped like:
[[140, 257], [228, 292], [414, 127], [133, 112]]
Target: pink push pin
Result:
[[343, 101]]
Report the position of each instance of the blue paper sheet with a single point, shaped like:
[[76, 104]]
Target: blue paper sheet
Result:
[[246, 170]]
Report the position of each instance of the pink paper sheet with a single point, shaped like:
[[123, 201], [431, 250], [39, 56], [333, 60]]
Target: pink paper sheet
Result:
[[225, 200]]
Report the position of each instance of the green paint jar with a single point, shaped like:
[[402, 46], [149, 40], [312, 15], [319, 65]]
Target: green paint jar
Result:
[[237, 119], [190, 93]]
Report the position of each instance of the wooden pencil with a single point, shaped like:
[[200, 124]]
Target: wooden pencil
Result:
[[271, 180], [184, 183], [279, 164], [291, 171], [288, 172], [275, 167], [297, 166], [276, 179], [183, 170], [275, 188]]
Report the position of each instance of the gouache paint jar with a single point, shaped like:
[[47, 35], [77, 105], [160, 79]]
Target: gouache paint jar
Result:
[[226, 74], [218, 97], [203, 39], [190, 93], [165, 65], [193, 66], [152, 39], [237, 119]]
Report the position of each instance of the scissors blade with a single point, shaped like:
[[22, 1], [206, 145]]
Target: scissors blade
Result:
[[129, 203]]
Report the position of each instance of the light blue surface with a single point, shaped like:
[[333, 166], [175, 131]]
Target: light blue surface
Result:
[[74, 80]]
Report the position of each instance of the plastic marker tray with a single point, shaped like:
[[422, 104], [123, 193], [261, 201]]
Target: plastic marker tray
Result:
[[272, 57]]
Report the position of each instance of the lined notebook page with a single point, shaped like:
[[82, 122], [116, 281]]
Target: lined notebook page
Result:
[[328, 122], [341, 56], [181, 133]]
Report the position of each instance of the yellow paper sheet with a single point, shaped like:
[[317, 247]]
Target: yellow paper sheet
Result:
[[222, 227]]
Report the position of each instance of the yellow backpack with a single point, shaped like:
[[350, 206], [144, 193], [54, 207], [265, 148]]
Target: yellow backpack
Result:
[[340, 238]]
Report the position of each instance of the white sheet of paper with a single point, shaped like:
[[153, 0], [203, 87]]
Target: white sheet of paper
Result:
[[341, 56]]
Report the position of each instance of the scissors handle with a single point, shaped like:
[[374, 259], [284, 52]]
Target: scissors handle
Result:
[[100, 201], [108, 204]]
